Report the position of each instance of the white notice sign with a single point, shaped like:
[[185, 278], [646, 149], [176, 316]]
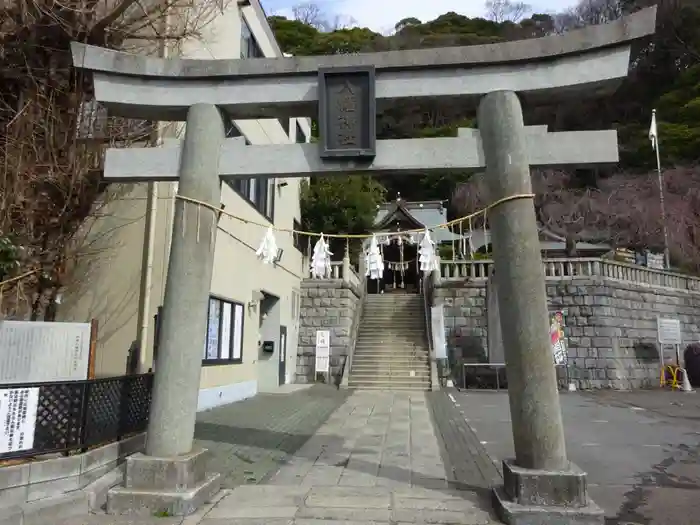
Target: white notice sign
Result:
[[323, 351], [669, 331], [38, 352], [17, 418], [437, 321]]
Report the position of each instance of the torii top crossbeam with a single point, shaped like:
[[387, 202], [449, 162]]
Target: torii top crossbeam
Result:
[[581, 63]]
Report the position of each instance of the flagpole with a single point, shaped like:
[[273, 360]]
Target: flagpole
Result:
[[667, 257]]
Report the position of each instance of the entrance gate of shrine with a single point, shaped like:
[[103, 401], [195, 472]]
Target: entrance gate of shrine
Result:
[[344, 92]]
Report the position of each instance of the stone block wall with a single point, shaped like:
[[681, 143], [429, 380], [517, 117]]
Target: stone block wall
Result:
[[464, 310], [610, 325], [326, 304]]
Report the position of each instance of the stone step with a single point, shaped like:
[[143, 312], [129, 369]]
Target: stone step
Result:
[[378, 353], [409, 322], [391, 316], [378, 333], [389, 377], [390, 332], [394, 324], [397, 341], [393, 307], [390, 348], [394, 297], [391, 345], [389, 351], [408, 332], [393, 361], [361, 366], [389, 329], [392, 300], [390, 385], [391, 388]]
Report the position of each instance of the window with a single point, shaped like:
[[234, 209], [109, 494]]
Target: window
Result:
[[301, 137], [284, 122], [298, 239], [260, 191], [224, 333], [249, 46]]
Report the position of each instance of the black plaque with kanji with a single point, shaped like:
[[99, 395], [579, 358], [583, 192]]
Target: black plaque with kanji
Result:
[[347, 112]]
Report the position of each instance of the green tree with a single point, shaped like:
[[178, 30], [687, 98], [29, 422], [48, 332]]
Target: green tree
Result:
[[340, 205], [294, 36]]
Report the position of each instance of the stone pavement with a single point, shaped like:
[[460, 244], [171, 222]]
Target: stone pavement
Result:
[[377, 460], [249, 440]]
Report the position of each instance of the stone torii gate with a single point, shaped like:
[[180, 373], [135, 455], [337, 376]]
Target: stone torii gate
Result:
[[344, 92]]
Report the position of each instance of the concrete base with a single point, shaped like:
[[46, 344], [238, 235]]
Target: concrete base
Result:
[[159, 502], [538, 497], [164, 486]]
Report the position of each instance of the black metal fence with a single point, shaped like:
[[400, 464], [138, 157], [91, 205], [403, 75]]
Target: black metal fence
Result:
[[492, 376], [76, 415]]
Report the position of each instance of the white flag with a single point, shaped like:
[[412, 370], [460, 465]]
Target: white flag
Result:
[[653, 132]]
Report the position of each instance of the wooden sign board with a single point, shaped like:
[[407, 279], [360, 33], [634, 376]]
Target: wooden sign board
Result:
[[347, 113], [39, 352]]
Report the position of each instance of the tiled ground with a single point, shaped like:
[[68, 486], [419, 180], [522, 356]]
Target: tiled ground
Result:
[[249, 440], [376, 460]]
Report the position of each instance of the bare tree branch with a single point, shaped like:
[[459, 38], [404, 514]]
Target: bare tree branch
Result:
[[503, 10], [54, 134], [623, 210]]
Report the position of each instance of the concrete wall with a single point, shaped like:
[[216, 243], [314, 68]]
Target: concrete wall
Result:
[[107, 285], [48, 478], [326, 304], [610, 325]]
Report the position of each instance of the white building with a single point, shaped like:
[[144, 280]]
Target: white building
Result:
[[251, 303]]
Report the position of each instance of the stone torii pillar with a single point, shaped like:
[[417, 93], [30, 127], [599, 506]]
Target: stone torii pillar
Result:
[[540, 485]]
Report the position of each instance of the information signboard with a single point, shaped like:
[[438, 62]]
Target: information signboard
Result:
[[323, 351], [437, 321], [669, 331], [42, 352], [18, 408]]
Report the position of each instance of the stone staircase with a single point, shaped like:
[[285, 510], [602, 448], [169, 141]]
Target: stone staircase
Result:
[[392, 351]]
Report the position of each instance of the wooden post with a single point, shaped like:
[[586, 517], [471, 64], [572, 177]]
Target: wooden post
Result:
[[94, 325]]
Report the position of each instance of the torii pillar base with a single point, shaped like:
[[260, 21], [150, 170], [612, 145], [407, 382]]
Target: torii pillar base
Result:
[[175, 486], [545, 497]]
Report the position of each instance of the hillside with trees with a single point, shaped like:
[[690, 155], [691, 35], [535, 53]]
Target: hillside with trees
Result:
[[618, 204]]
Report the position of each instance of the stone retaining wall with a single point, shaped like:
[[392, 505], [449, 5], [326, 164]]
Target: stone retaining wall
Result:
[[24, 487], [610, 325], [326, 304]]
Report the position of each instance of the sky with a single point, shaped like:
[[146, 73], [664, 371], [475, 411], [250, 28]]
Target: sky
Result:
[[382, 15]]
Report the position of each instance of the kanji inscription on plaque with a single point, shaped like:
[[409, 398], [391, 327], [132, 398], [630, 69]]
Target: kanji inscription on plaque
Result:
[[347, 112]]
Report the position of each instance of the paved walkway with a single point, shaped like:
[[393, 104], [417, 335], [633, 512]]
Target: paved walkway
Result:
[[249, 440], [375, 461]]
